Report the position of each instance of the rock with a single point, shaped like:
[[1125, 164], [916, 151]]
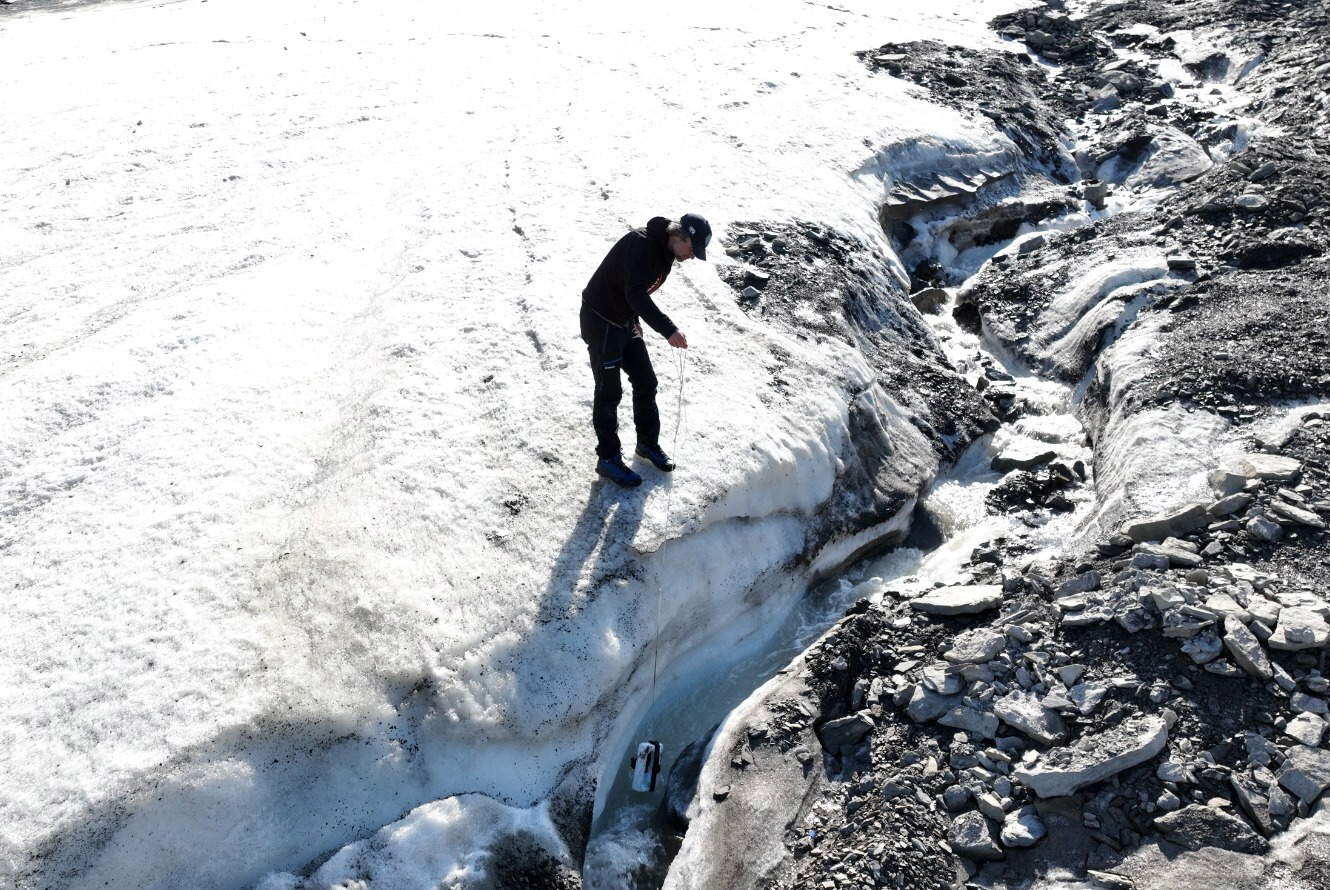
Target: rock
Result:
[[972, 837], [1296, 515], [937, 678], [1082, 583], [1197, 826], [1234, 503], [1172, 771], [1022, 828], [1251, 202], [1251, 796], [1070, 673], [972, 720], [1245, 649], [1096, 193], [1299, 628], [1087, 696], [1307, 728], [968, 599], [955, 797], [1181, 263], [1203, 648], [975, 646], [1233, 474], [1167, 157], [926, 706], [1156, 528], [1171, 556], [1305, 772], [845, 731], [929, 300], [1308, 704], [1263, 529], [991, 806], [750, 293], [1168, 801], [1096, 757], [1021, 459], [1023, 712]]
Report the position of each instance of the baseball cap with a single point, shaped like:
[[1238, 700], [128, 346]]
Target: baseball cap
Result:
[[699, 232]]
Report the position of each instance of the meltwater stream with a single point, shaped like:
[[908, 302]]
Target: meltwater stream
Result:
[[632, 839]]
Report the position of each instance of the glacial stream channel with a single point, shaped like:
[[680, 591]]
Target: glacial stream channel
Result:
[[632, 840]]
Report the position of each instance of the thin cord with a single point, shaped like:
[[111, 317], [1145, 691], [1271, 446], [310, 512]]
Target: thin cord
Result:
[[669, 509]]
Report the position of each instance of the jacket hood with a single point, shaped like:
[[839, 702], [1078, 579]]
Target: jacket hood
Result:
[[656, 230]]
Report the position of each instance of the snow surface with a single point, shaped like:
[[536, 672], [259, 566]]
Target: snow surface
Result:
[[300, 530]]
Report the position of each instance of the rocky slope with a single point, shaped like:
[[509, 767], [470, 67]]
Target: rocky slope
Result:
[[1150, 707]]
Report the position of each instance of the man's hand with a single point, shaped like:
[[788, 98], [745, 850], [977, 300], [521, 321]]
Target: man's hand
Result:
[[678, 340]]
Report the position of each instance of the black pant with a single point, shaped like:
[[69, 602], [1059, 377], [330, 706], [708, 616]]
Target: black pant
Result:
[[612, 347]]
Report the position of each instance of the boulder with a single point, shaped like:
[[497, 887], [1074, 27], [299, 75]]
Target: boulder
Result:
[[977, 723], [926, 705], [1096, 757], [967, 599], [1263, 529], [929, 300], [1023, 712], [971, 836], [1179, 522], [845, 731], [1305, 772], [1297, 515], [1022, 828], [1307, 728], [1233, 474], [975, 646], [1197, 826], [1234, 503], [1299, 628], [1245, 649]]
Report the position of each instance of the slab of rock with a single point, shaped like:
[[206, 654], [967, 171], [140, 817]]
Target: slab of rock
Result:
[[845, 731], [1022, 828], [975, 646], [1023, 712], [1203, 648], [1245, 649], [1157, 528], [1021, 459], [930, 299], [1299, 628], [1173, 556], [1306, 772], [1233, 474], [1297, 515], [972, 837], [966, 599], [926, 705], [1234, 503], [972, 720], [1307, 728], [1255, 803], [1197, 826], [1096, 757]]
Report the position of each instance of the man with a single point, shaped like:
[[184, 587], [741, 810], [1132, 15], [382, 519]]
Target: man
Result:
[[615, 301]]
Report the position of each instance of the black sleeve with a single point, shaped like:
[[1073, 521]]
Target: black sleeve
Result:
[[637, 279]]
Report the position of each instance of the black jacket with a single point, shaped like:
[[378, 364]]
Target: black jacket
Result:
[[639, 262]]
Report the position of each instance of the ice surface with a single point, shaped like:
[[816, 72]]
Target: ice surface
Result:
[[300, 533]]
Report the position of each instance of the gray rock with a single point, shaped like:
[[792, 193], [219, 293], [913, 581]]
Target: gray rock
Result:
[[1197, 826], [1156, 528], [972, 836], [1168, 801], [1082, 583], [845, 731], [1234, 503], [991, 806], [1251, 796], [1203, 648], [1021, 459], [955, 797], [1296, 515], [1233, 474], [1307, 728], [937, 678], [1022, 828], [1070, 673], [1245, 649], [1023, 712], [972, 720], [1172, 556], [975, 646], [1308, 704], [929, 300], [1299, 628], [969, 599], [1096, 757], [1264, 529], [1087, 696], [1177, 773], [926, 705], [750, 293], [1305, 772]]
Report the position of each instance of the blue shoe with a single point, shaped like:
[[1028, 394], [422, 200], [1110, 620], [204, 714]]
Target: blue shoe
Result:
[[613, 468], [656, 456]]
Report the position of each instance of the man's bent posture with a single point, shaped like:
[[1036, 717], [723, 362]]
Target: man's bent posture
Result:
[[615, 301]]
